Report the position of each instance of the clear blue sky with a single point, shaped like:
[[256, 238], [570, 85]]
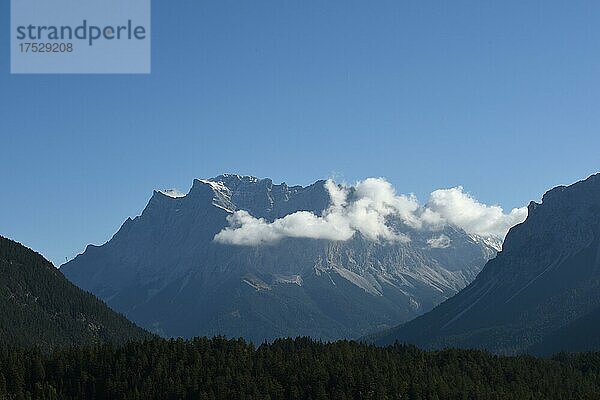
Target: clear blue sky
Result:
[[500, 97]]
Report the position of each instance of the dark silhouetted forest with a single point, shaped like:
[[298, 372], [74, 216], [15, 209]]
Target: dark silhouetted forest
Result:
[[39, 306], [289, 369]]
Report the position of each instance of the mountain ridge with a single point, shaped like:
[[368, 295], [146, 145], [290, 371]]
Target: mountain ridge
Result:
[[546, 277], [164, 270]]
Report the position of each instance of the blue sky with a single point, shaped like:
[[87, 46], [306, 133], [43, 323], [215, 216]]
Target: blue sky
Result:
[[500, 97]]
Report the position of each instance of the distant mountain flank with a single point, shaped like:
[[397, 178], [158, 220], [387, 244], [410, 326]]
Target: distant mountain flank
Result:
[[241, 256], [541, 294], [39, 307]]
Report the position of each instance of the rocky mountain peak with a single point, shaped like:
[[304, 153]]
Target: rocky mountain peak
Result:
[[165, 271]]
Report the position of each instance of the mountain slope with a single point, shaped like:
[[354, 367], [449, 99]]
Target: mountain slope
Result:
[[582, 334], [544, 285], [165, 272], [38, 306]]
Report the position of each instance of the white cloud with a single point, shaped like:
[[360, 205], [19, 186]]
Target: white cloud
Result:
[[368, 210], [246, 230], [372, 203], [455, 207], [440, 242]]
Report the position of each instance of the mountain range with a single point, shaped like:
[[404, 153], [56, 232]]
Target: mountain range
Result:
[[540, 294], [167, 272]]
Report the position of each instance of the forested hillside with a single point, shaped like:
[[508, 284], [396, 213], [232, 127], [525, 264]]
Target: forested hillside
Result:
[[289, 369], [39, 306]]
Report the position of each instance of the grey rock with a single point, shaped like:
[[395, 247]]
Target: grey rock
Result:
[[163, 270], [541, 294]]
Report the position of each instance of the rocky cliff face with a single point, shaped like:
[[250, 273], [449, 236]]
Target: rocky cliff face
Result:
[[164, 271], [544, 283]]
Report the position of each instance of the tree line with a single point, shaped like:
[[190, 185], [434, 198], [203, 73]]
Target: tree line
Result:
[[299, 368]]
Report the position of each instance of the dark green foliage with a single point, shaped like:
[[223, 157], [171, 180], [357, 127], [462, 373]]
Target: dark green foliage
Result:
[[39, 306], [289, 369]]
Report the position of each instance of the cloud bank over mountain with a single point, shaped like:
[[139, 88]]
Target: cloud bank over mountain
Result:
[[456, 207], [368, 208]]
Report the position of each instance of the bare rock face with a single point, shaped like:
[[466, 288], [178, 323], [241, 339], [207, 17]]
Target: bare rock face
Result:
[[164, 271], [541, 294]]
